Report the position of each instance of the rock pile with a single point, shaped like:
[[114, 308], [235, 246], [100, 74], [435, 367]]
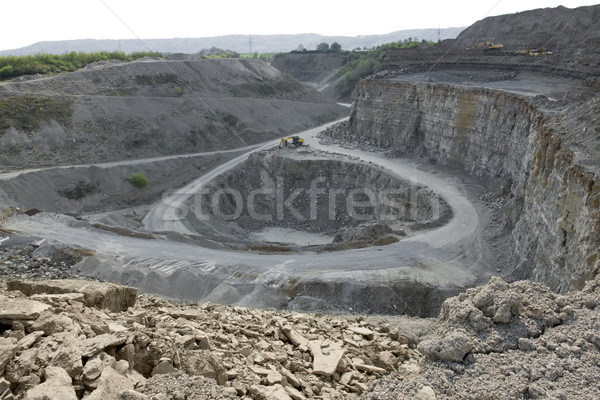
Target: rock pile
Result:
[[342, 135], [80, 339], [21, 262], [516, 341]]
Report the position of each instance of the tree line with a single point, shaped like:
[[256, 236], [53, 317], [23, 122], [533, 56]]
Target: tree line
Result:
[[47, 64]]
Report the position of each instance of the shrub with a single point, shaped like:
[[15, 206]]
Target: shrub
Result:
[[79, 191], [178, 91], [138, 180]]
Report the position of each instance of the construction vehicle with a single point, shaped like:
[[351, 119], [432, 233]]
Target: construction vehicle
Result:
[[295, 140], [488, 46], [482, 44], [536, 52]]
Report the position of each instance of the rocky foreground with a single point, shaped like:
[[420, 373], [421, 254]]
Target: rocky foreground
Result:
[[74, 338], [68, 339]]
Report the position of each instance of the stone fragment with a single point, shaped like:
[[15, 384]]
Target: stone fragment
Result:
[[290, 377], [110, 384], [91, 346], [28, 341], [387, 360], [277, 392], [130, 394], [346, 378], [163, 367], [58, 297], [453, 347], [104, 295], [325, 363], [371, 369], [366, 333], [19, 309], [426, 393], [50, 323], [296, 338], [201, 362], [116, 328], [56, 386], [68, 358], [4, 384], [121, 367], [95, 366], [261, 371], [294, 393], [274, 377]]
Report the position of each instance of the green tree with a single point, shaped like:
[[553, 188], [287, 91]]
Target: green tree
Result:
[[323, 47], [335, 46]]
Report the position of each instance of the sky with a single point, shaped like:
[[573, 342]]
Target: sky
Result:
[[25, 23]]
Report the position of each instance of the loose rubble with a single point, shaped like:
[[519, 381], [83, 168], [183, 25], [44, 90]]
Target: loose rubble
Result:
[[518, 341], [96, 340], [20, 262]]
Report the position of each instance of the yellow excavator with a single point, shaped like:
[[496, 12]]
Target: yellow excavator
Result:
[[295, 140], [488, 46]]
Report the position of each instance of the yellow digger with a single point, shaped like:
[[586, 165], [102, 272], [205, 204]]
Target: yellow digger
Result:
[[488, 46], [295, 140]]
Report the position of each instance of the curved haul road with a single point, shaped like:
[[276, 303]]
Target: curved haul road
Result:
[[412, 276]]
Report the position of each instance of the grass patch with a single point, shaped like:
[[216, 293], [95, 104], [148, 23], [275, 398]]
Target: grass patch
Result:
[[138, 180], [26, 112]]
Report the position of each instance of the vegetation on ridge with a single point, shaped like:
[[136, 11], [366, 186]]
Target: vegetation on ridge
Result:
[[364, 63], [47, 64], [26, 112]]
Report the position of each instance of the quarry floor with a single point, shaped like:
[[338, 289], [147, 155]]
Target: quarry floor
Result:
[[412, 276]]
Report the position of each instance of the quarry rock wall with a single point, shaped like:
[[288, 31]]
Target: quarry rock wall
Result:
[[553, 208]]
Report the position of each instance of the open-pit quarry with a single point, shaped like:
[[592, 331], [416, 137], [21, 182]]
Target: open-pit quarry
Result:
[[453, 172]]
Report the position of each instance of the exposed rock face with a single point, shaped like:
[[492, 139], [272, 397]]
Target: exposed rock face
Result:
[[95, 294], [554, 205], [319, 193]]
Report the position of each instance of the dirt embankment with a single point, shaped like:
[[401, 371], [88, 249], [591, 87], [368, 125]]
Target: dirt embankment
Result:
[[152, 107], [311, 67]]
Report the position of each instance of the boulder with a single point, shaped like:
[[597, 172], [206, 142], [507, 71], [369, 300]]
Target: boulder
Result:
[[453, 347], [18, 309], [276, 392], [91, 346], [104, 295], [51, 323], [325, 361], [201, 362], [110, 384], [56, 386]]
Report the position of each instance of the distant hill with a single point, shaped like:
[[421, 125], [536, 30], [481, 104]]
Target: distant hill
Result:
[[239, 43]]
